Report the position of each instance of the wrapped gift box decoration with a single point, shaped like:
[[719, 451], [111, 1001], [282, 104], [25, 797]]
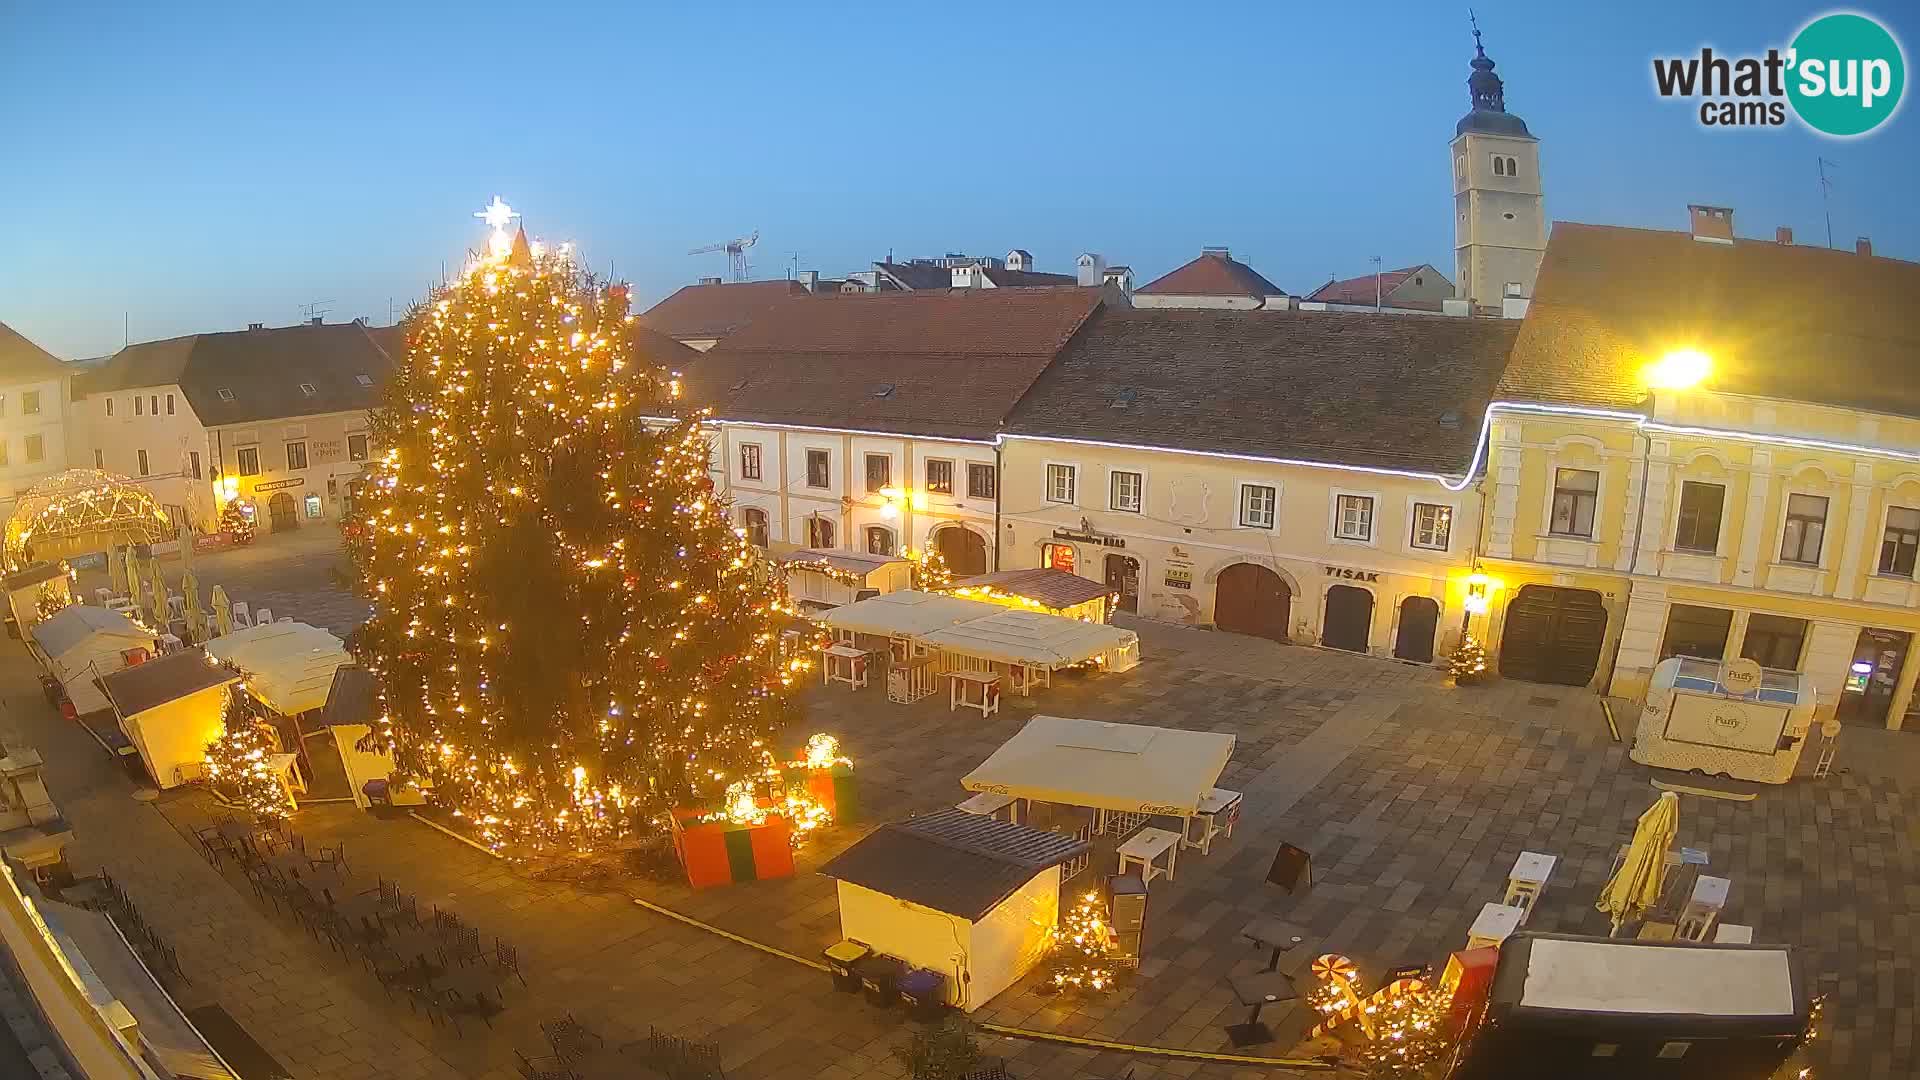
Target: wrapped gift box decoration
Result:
[[832, 787], [722, 852]]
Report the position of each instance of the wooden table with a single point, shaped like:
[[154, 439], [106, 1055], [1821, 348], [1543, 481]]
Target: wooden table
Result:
[[1493, 926], [990, 803], [1276, 934], [1257, 990], [1527, 880], [1145, 848], [844, 663], [411, 944], [1218, 804], [289, 864], [959, 695]]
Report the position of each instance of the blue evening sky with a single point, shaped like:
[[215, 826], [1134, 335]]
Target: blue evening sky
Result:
[[198, 166]]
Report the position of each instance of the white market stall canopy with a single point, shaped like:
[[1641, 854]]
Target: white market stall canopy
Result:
[[906, 614], [289, 665], [1129, 768], [82, 643], [1036, 639]]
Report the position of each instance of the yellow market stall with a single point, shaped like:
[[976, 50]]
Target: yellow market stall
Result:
[[822, 580], [1042, 588], [967, 897], [170, 709]]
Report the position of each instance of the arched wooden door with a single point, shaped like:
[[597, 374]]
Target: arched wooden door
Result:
[[1419, 618], [964, 550], [1553, 635], [1123, 580], [1349, 618], [1250, 599], [281, 511]]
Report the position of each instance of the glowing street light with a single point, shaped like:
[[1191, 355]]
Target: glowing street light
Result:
[[1680, 369]]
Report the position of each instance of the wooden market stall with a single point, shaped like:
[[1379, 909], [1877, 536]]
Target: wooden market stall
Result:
[[289, 669], [170, 709], [1041, 588], [970, 898], [1125, 773], [350, 713], [1031, 645], [1734, 719], [82, 643], [902, 620], [823, 580]]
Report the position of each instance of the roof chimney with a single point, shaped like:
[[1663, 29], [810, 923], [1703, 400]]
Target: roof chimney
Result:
[[1220, 251], [709, 281], [1783, 236], [808, 279], [1712, 224], [256, 326], [1863, 246], [315, 321]]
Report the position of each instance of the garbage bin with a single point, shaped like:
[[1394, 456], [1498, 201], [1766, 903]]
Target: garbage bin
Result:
[[880, 978], [378, 793], [841, 958], [924, 993]]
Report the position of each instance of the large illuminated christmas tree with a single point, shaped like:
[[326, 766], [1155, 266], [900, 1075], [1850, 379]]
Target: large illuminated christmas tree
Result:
[[568, 634]]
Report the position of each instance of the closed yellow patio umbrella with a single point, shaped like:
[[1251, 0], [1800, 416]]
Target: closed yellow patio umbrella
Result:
[[136, 585], [1635, 887], [196, 618], [116, 573], [222, 612], [157, 603]]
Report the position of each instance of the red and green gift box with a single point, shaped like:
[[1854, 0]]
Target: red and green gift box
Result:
[[723, 852], [831, 787]]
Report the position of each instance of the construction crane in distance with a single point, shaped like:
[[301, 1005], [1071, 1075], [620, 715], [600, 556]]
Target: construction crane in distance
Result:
[[736, 253]]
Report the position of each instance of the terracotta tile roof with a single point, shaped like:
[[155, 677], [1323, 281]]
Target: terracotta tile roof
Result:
[[261, 369], [1345, 388], [951, 861], [1027, 279], [948, 364], [1214, 273], [1056, 589], [698, 312], [1359, 290], [22, 360], [1799, 323]]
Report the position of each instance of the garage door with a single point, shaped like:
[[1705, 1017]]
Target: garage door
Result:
[[1553, 635]]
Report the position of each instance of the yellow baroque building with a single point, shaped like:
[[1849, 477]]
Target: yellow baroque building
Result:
[[1694, 455]]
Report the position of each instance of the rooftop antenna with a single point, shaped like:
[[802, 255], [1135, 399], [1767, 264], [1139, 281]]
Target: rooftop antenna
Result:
[[1826, 191], [1375, 260], [736, 253], [316, 308]]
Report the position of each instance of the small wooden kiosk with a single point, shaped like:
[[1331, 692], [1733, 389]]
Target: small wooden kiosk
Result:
[[822, 580], [1734, 719], [170, 709]]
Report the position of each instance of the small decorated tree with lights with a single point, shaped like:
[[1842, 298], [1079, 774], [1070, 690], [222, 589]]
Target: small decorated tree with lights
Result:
[[239, 768], [569, 635], [1468, 662], [1085, 952], [929, 569], [235, 522]]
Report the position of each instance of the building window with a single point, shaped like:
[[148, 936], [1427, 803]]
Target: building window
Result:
[[36, 448], [153, 404], [30, 403], [307, 390], [879, 540], [356, 448], [749, 461], [249, 460], [1897, 548], [109, 406], [1057, 557], [939, 476], [193, 463], [1774, 641], [1697, 631], [226, 394], [99, 458], [1060, 483], [1499, 165], [755, 521], [141, 456], [1432, 526], [1575, 491], [313, 506], [982, 482], [819, 469], [1354, 517], [819, 532], [1806, 527], [296, 456], [1124, 491], [169, 404], [879, 472], [363, 379], [1699, 528], [1258, 505], [139, 405]]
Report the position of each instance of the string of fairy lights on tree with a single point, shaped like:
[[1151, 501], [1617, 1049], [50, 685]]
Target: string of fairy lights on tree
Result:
[[569, 635], [239, 765]]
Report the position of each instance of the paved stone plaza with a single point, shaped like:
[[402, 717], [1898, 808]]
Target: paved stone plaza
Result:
[[1414, 799]]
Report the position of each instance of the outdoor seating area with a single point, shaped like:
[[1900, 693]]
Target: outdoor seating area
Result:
[[444, 967], [576, 1052]]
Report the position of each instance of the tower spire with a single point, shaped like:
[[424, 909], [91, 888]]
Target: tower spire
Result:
[[1483, 86]]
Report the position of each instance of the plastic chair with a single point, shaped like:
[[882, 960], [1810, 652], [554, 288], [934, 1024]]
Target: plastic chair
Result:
[[263, 617], [242, 614]]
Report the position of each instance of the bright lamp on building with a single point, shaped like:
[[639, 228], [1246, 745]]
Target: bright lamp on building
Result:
[[1479, 594], [1680, 369]]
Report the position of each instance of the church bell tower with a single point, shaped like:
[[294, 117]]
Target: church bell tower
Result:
[[1500, 225]]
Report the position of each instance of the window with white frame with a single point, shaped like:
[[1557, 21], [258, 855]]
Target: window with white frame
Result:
[[879, 471], [749, 461], [1353, 517], [1432, 526], [1575, 494], [940, 476], [1699, 525], [1259, 504], [982, 481], [1806, 529], [1060, 483], [879, 540], [819, 532], [819, 469], [754, 522], [1124, 491], [1901, 541]]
